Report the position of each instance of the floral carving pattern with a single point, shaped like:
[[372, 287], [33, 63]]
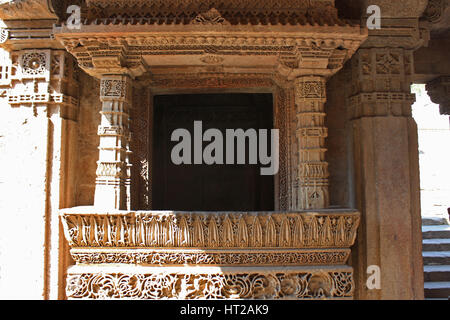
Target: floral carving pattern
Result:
[[34, 64], [274, 285], [170, 257]]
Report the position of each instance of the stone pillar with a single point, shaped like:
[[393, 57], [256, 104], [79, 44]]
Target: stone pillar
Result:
[[113, 170], [386, 174], [439, 92], [312, 173]]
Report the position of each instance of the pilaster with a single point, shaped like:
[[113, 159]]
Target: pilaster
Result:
[[40, 97], [113, 167], [312, 173]]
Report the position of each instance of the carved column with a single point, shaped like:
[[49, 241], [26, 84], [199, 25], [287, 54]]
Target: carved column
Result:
[[312, 173], [386, 170], [439, 92], [113, 166]]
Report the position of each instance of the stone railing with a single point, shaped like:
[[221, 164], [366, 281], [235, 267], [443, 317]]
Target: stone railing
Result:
[[182, 255]]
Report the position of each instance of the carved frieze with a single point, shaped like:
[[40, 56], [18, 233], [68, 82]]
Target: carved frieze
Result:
[[221, 284], [217, 12], [166, 257], [227, 230]]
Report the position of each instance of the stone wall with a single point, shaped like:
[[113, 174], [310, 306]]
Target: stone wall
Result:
[[339, 140], [38, 148], [23, 149]]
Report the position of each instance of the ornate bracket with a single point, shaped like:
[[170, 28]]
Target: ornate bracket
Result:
[[439, 92]]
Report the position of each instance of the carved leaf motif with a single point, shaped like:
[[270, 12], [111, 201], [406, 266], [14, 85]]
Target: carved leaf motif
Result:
[[132, 232], [168, 233], [183, 237], [285, 233], [313, 231], [228, 239], [340, 232], [257, 233], [213, 233], [106, 231], [198, 235], [325, 235], [271, 233], [80, 227], [120, 232], [242, 233], [354, 229], [298, 232], [93, 236], [154, 232], [140, 231]]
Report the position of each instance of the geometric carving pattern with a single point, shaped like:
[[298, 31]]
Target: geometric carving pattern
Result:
[[380, 86], [231, 11], [41, 78], [34, 64], [388, 63], [112, 88]]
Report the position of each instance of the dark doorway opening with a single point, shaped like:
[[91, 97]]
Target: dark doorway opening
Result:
[[216, 187]]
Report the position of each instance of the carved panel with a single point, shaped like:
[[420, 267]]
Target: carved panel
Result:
[[381, 80], [113, 88], [220, 285], [212, 257], [214, 12], [42, 78], [232, 230]]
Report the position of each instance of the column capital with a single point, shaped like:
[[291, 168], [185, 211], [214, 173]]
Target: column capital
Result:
[[381, 79], [115, 87], [310, 88]]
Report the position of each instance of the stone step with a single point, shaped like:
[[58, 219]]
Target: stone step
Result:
[[436, 245], [437, 289], [436, 273], [434, 221], [436, 232], [436, 258]]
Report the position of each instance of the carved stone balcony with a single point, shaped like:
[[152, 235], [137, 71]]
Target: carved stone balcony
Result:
[[210, 255]]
